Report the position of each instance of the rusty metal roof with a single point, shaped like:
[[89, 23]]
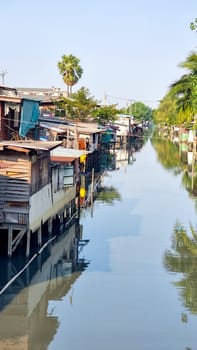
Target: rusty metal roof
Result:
[[31, 144]]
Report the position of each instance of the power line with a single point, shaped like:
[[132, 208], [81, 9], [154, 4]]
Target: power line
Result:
[[130, 99]]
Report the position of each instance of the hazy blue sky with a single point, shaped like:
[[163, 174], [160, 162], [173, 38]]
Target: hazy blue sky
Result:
[[129, 49]]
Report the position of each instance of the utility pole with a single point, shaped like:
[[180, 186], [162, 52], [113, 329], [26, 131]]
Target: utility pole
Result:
[[105, 99], [2, 74]]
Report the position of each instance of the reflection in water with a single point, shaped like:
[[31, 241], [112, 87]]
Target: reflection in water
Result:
[[178, 158], [183, 259], [24, 319], [168, 154], [113, 158], [108, 194], [189, 179]]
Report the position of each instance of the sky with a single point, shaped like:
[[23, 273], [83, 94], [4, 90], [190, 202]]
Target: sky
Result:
[[129, 49]]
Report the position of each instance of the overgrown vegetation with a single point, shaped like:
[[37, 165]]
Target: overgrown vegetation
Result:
[[179, 105]]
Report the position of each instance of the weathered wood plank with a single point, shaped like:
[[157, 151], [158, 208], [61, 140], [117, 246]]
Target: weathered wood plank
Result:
[[13, 158], [16, 210], [17, 239], [17, 185], [14, 180], [16, 195], [19, 199]]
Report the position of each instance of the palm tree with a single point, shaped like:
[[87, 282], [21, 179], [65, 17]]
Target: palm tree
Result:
[[193, 25], [190, 63], [70, 70], [185, 89]]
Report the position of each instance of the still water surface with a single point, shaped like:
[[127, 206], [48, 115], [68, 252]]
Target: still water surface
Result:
[[135, 287]]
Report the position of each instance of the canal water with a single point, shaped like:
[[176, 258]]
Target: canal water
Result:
[[130, 283]]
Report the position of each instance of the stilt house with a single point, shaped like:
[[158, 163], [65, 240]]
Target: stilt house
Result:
[[32, 193]]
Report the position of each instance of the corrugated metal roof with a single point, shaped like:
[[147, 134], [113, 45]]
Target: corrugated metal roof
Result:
[[67, 152], [82, 128], [32, 144], [52, 127]]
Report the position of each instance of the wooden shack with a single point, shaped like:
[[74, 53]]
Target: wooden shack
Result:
[[30, 194], [10, 108]]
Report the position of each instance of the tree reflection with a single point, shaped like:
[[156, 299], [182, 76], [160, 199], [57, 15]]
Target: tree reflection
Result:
[[173, 157], [168, 154], [108, 195], [182, 258]]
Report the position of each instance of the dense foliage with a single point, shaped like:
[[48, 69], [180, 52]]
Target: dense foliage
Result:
[[82, 106], [179, 105], [106, 114], [140, 111]]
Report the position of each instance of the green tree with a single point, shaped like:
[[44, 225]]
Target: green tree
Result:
[[140, 111], [84, 104], [166, 111], [106, 114], [185, 89], [179, 105], [79, 106], [193, 25], [71, 71]]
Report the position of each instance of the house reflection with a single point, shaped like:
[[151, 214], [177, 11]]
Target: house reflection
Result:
[[24, 321]]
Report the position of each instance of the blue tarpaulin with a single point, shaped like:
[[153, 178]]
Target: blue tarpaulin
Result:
[[29, 116]]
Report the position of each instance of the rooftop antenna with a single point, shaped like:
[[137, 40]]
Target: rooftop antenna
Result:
[[2, 74]]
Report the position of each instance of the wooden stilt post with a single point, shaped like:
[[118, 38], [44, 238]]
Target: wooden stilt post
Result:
[[50, 227], [68, 139], [40, 236], [28, 243], [68, 254], [61, 218], [39, 243], [92, 192], [27, 276], [76, 138], [61, 221], [10, 234], [70, 210], [9, 270]]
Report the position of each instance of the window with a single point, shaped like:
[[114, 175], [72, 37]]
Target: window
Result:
[[68, 176]]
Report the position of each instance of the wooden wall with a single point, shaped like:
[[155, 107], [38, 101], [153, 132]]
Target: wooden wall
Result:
[[21, 175]]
